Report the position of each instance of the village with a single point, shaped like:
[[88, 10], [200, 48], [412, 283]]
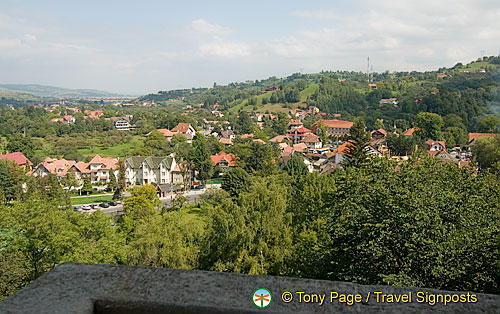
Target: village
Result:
[[322, 148]]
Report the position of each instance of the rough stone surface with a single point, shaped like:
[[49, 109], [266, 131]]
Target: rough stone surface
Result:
[[109, 289]]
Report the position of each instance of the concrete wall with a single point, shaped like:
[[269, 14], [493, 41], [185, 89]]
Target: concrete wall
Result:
[[85, 289]]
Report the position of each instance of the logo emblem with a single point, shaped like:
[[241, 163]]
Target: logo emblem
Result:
[[261, 298]]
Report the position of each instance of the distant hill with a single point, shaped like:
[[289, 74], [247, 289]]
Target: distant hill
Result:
[[52, 91]]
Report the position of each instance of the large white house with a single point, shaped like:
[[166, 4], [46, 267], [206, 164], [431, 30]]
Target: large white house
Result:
[[152, 170]]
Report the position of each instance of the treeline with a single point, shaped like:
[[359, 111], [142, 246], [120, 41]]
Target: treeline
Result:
[[382, 223]]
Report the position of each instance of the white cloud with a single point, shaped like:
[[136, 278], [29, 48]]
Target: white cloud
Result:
[[29, 37], [225, 49], [203, 26], [397, 35], [319, 14]]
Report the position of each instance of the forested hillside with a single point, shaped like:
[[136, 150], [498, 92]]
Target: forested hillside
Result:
[[468, 92]]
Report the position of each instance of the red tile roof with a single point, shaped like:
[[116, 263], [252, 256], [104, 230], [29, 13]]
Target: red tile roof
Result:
[[475, 136], [334, 124], [165, 132], [226, 141], [410, 132], [229, 158], [302, 131], [311, 138], [181, 127], [342, 149], [18, 158]]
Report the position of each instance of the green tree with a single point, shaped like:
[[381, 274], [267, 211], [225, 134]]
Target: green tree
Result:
[[296, 168], [42, 234], [401, 226], [429, 125], [322, 132], [486, 153], [170, 239], [378, 124], [280, 123], [356, 155], [455, 136], [253, 237], [19, 143], [243, 124], [112, 181], [87, 186], [11, 182], [142, 203], [400, 145], [488, 124], [156, 142], [235, 181], [200, 158], [121, 183], [179, 201]]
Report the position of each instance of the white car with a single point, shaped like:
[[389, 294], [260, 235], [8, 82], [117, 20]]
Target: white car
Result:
[[86, 207]]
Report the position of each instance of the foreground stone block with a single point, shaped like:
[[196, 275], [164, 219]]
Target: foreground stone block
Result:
[[111, 289]]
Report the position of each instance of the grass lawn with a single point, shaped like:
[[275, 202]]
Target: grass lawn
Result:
[[91, 199], [278, 107], [214, 181], [119, 150], [308, 91]]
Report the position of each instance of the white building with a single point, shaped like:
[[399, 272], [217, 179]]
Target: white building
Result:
[[152, 170]]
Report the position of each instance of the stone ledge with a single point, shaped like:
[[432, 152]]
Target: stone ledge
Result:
[[111, 289]]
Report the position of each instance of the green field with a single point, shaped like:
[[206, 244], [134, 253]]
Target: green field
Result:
[[91, 199], [119, 150], [278, 107]]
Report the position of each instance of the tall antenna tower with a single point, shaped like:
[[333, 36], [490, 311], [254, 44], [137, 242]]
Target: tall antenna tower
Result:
[[368, 71]]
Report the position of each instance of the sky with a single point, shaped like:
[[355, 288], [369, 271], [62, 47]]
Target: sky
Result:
[[140, 47]]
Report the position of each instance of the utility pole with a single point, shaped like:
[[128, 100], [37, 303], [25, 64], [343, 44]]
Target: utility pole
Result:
[[368, 71]]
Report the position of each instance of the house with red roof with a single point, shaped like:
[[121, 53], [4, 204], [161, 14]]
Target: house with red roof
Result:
[[185, 129], [435, 146], [224, 161], [474, 136], [166, 132], [101, 168], [410, 132], [19, 159], [57, 167], [296, 135], [248, 135], [312, 141], [226, 141], [390, 101], [380, 133], [294, 124], [335, 128]]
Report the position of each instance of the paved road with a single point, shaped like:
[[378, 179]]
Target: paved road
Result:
[[193, 196]]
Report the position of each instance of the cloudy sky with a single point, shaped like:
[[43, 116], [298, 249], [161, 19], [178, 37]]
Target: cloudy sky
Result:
[[138, 47]]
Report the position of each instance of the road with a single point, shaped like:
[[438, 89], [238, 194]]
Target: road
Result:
[[192, 195]]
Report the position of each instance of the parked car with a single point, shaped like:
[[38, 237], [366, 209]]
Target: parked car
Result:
[[198, 187], [86, 207], [112, 203], [94, 206], [104, 205], [76, 208]]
